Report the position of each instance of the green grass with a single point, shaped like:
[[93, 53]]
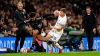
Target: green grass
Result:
[[54, 54]]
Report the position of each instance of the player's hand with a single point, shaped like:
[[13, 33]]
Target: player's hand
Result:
[[82, 30], [26, 27], [94, 30], [56, 12]]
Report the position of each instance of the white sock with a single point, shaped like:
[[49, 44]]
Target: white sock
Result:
[[49, 46], [58, 46]]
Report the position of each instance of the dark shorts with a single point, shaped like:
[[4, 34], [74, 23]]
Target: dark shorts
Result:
[[37, 28]]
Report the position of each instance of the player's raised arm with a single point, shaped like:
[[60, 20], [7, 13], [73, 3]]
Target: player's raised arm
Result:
[[61, 22], [56, 13]]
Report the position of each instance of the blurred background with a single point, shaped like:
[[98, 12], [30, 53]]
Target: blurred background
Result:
[[45, 9]]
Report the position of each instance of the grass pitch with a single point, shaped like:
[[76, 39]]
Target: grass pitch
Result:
[[54, 54]]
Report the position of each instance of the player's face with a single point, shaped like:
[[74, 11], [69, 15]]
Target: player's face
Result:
[[62, 13], [20, 6], [88, 10]]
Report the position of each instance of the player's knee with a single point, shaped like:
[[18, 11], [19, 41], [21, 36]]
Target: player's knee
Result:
[[30, 29], [56, 44], [35, 32]]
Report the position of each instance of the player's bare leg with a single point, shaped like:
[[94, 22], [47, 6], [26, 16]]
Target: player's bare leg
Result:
[[60, 47], [57, 45], [50, 48], [35, 32], [45, 39]]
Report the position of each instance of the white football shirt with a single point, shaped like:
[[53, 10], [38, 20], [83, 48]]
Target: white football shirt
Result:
[[56, 34], [61, 21]]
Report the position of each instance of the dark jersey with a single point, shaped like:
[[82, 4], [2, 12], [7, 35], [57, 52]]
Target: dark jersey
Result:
[[37, 24], [19, 17]]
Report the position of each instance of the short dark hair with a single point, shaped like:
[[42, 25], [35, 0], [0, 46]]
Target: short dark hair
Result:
[[63, 9], [32, 14], [88, 7]]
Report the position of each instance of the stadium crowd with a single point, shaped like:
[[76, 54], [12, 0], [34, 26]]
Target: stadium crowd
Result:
[[44, 10]]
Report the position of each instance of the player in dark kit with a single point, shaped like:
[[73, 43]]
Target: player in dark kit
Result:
[[37, 26]]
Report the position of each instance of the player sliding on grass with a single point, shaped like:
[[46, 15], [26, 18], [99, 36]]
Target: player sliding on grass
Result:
[[56, 32]]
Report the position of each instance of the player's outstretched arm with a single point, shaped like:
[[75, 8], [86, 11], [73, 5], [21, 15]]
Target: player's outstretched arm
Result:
[[45, 39]]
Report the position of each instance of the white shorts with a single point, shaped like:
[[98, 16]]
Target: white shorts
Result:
[[56, 35]]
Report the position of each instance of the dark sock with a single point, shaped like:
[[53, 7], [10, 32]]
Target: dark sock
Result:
[[32, 46]]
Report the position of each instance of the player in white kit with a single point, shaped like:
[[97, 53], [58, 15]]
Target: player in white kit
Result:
[[56, 32]]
